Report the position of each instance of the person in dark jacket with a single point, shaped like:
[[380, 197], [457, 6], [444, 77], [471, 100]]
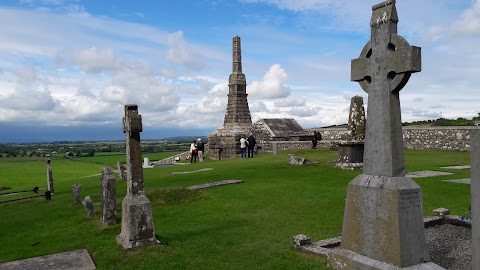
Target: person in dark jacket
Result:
[[200, 149], [251, 145]]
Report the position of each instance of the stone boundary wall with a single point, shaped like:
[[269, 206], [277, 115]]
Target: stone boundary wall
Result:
[[444, 138]]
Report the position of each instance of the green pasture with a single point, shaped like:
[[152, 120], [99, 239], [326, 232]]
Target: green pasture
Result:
[[243, 226]]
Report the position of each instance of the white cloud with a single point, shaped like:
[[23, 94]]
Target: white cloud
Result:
[[258, 106], [290, 102], [272, 85], [304, 111], [92, 59], [181, 54], [469, 23]]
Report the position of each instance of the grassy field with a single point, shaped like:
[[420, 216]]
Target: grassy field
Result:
[[244, 226]]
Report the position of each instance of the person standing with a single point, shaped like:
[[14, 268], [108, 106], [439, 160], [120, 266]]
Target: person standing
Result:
[[251, 144], [193, 152], [243, 146], [200, 149], [314, 140]]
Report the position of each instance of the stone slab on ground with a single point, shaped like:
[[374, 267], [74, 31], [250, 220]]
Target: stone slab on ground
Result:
[[215, 184], [463, 167], [426, 173], [460, 181], [201, 170], [300, 161], [72, 260]]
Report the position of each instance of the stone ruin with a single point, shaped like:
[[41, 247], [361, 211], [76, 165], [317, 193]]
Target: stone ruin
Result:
[[137, 220], [225, 141], [350, 150], [383, 219]]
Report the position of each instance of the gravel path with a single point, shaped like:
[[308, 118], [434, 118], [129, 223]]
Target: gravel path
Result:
[[450, 246]]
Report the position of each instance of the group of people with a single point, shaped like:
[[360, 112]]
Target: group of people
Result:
[[197, 148], [249, 144]]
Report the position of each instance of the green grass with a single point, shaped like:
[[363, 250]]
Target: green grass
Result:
[[243, 226]]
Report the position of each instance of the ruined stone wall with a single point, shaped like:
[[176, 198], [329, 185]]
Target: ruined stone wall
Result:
[[445, 138]]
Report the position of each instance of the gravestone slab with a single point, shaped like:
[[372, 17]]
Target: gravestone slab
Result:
[[76, 194], [300, 161], [72, 260], [109, 197], [215, 184], [201, 170], [137, 220], [426, 173], [462, 167], [467, 181]]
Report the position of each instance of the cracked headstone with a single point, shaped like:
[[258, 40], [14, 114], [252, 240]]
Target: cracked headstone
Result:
[[109, 197], [137, 220]]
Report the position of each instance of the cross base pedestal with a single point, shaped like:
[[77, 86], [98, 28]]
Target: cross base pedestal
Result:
[[383, 220], [137, 223]]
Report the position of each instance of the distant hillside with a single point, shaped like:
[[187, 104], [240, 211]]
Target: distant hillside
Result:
[[445, 122], [185, 139]]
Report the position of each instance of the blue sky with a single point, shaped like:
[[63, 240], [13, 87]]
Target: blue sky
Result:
[[69, 65]]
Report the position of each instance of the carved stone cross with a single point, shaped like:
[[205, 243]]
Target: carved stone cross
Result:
[[132, 126], [383, 68]]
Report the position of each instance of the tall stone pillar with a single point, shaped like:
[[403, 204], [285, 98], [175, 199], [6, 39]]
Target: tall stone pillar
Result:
[[109, 197], [475, 193], [225, 141], [50, 177], [350, 151], [383, 219], [137, 219]]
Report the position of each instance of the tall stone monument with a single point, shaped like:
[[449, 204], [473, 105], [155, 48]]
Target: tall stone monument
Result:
[[350, 151], [109, 197], [224, 142], [50, 177], [137, 219], [475, 193], [383, 220]]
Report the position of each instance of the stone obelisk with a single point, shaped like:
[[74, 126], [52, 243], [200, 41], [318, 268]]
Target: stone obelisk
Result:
[[137, 219], [383, 220], [224, 142]]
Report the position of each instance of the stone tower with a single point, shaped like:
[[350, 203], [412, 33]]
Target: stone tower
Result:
[[224, 142], [238, 112]]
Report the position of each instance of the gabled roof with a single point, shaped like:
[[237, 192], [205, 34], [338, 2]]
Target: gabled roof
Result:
[[281, 127]]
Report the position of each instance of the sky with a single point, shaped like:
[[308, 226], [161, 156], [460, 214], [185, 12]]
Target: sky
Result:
[[68, 67]]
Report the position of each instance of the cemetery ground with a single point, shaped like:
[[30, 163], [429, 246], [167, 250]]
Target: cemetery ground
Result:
[[244, 226]]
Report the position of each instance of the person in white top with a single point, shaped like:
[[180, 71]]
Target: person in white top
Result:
[[243, 146], [193, 152]]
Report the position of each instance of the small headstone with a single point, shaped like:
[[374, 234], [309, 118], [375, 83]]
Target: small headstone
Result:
[[50, 176], [76, 194], [137, 220], [301, 240], [275, 148], [108, 195], [121, 171], [441, 212], [87, 202], [146, 163]]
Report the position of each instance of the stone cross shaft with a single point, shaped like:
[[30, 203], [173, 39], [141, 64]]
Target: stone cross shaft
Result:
[[132, 126], [383, 68]]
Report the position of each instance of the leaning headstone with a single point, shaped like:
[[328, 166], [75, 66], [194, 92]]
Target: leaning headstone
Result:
[[121, 171], [50, 176], [383, 219], [87, 202], [137, 219], [76, 194], [109, 199], [475, 193]]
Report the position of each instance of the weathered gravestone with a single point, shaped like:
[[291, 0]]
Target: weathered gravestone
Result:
[[50, 176], [475, 193], [87, 202], [350, 152], [137, 219], [383, 220], [109, 197], [76, 194], [120, 171]]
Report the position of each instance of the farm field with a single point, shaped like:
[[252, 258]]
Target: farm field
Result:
[[243, 226]]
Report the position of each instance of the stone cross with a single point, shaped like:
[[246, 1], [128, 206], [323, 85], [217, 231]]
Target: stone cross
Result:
[[49, 177], [76, 194], [475, 193], [109, 197], [137, 220], [383, 68]]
